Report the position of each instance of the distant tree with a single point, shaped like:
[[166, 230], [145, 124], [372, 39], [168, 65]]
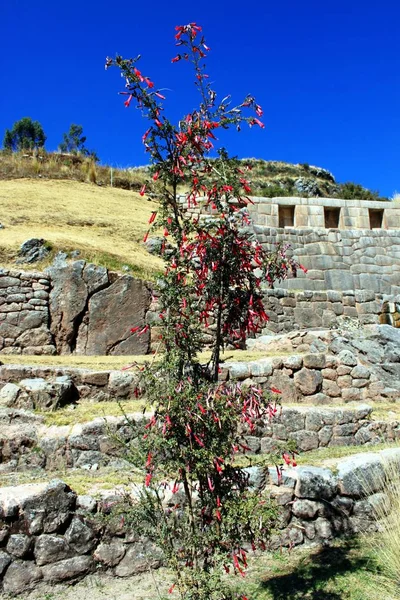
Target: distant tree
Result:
[[24, 135], [74, 142]]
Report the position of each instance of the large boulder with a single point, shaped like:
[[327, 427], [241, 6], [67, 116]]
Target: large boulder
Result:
[[48, 395], [111, 315], [72, 285]]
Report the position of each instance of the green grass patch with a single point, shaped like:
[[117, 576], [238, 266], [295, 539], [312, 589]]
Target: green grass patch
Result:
[[87, 411]]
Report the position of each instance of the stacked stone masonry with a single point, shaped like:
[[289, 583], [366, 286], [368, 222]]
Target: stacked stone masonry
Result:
[[289, 310], [75, 308], [26, 443], [358, 250], [50, 534]]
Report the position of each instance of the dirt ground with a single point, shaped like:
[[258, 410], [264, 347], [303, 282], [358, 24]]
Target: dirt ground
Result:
[[103, 587]]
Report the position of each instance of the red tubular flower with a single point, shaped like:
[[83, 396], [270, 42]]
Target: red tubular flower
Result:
[[148, 479], [143, 190], [128, 101], [146, 235], [303, 268], [149, 460], [274, 390], [176, 58], [153, 217]]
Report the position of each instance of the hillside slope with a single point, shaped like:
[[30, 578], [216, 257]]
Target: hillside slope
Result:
[[106, 224]]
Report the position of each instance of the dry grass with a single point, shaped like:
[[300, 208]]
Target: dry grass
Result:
[[106, 363], [105, 224], [386, 546]]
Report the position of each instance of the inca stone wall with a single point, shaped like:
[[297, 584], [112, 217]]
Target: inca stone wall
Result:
[[50, 534], [289, 310], [76, 308], [340, 260], [24, 313]]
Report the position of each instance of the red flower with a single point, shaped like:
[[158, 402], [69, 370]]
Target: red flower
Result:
[[128, 101], [176, 58], [146, 235], [275, 390], [143, 190], [148, 479]]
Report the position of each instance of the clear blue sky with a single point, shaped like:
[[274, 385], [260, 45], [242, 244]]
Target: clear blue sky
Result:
[[327, 73]]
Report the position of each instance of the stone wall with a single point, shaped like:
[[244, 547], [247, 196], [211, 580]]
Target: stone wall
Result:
[[24, 313], [340, 260], [75, 308], [50, 534], [319, 213], [25, 443], [289, 310]]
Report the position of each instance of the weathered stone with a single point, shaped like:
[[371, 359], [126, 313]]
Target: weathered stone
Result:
[[308, 381], [111, 315], [19, 545], [361, 474], [139, 557], [86, 503], [49, 395], [9, 394], [330, 374], [294, 362], [21, 576], [331, 388], [45, 507], [306, 440], [323, 528], [257, 477], [5, 560], [110, 554], [360, 372], [314, 361], [292, 419], [79, 536], [121, 385], [325, 435], [51, 548], [305, 509], [347, 358], [315, 482], [68, 569]]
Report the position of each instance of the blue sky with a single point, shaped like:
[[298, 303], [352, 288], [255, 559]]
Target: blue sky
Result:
[[327, 73]]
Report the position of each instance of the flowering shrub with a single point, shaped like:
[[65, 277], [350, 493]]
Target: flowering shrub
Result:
[[196, 504]]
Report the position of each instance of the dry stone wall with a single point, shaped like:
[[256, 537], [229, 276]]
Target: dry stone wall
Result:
[[289, 310], [24, 313], [50, 534], [340, 259], [74, 307], [26, 443]]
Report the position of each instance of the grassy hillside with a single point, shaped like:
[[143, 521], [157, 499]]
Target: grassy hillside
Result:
[[68, 201], [106, 224]]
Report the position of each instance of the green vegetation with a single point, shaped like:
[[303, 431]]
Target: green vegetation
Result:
[[24, 135], [74, 143]]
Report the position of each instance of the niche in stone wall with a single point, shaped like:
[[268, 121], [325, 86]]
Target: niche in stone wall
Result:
[[332, 217], [375, 218], [286, 216]]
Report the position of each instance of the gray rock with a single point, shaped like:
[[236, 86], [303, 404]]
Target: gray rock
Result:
[[308, 381], [9, 394], [347, 358], [121, 385], [292, 419], [315, 483], [86, 503], [79, 536], [21, 576], [49, 395], [361, 474], [51, 548], [19, 545], [314, 361], [69, 569], [45, 507], [306, 440], [305, 509], [5, 560], [140, 556], [323, 528], [110, 554], [33, 250], [257, 477]]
